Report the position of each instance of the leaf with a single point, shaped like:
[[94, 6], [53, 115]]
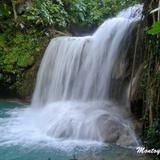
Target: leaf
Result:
[[4, 10], [155, 28], [25, 60]]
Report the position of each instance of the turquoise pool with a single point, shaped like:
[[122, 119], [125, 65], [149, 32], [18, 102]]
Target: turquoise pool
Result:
[[20, 141]]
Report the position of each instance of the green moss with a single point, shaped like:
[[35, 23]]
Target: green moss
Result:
[[25, 60], [25, 83], [11, 57], [2, 40], [17, 53], [153, 135]]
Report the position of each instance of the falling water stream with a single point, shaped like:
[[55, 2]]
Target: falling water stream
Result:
[[73, 85], [73, 105]]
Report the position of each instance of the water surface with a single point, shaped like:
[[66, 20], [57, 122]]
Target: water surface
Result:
[[19, 140]]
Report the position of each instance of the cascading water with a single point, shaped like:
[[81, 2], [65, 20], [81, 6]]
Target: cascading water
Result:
[[73, 84], [73, 98]]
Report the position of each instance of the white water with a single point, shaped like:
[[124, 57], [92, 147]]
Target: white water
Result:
[[72, 96]]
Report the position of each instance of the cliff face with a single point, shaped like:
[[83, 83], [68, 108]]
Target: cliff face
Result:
[[20, 60], [151, 81], [145, 102]]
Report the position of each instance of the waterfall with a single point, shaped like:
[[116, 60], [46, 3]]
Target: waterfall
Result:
[[73, 91]]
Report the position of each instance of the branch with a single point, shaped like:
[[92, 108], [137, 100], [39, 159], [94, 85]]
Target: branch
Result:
[[14, 10]]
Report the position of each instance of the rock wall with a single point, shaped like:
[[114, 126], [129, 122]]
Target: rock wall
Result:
[[20, 83]]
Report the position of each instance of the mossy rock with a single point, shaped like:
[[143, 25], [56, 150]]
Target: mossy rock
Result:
[[20, 57], [25, 85], [25, 60]]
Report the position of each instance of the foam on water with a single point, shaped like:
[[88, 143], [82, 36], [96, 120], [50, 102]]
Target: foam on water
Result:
[[19, 128]]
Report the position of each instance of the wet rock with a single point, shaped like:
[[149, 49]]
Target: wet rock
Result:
[[127, 138], [111, 131]]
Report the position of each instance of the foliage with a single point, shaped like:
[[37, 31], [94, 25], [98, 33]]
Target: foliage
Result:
[[15, 54], [25, 29], [155, 28], [151, 81], [18, 53], [47, 13], [64, 13], [89, 12], [153, 135], [4, 10]]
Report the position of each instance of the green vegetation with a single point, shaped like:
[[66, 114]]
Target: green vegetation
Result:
[[64, 13], [152, 138], [152, 92], [27, 26], [155, 29], [151, 79], [46, 13], [15, 57]]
